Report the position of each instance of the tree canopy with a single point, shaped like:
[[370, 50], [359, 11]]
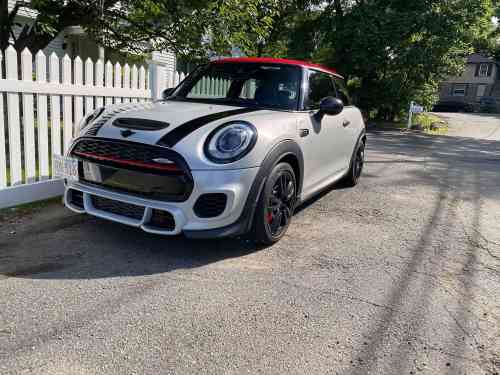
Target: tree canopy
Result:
[[135, 25], [390, 51]]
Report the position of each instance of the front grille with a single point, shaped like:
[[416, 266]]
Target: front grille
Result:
[[122, 152], [210, 205], [146, 171], [76, 198], [162, 220], [118, 208]]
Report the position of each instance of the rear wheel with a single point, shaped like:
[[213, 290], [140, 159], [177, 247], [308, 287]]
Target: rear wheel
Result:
[[276, 205]]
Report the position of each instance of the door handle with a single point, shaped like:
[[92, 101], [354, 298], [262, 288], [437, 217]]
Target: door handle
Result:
[[346, 123]]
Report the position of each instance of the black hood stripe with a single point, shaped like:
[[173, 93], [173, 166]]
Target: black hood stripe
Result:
[[187, 128]]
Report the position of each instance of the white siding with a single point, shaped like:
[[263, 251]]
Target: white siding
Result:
[[169, 61]]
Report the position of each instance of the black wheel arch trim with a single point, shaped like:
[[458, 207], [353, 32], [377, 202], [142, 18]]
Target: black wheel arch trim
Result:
[[244, 223], [360, 136]]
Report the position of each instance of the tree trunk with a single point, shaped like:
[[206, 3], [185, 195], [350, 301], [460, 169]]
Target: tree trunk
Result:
[[260, 49]]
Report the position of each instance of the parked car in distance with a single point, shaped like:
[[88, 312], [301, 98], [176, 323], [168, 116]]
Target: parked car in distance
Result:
[[488, 104], [448, 106], [232, 150]]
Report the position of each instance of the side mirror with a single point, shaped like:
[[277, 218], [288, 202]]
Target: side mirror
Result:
[[331, 106], [167, 92]]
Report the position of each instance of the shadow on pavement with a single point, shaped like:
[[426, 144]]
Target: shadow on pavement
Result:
[[84, 247]]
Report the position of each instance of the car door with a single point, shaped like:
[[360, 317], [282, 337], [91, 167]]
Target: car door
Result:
[[321, 135], [351, 120]]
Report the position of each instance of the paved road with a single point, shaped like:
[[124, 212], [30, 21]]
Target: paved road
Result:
[[400, 275], [480, 126]]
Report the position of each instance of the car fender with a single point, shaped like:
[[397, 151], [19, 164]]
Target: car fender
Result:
[[280, 150]]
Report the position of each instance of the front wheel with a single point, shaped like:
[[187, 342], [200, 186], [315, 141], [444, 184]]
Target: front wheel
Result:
[[356, 166], [276, 205]]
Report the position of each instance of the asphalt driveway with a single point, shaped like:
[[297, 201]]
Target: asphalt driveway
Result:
[[400, 275]]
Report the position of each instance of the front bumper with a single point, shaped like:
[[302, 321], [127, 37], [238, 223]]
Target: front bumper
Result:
[[235, 184]]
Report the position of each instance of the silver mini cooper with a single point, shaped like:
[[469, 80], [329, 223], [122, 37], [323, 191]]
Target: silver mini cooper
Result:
[[232, 150]]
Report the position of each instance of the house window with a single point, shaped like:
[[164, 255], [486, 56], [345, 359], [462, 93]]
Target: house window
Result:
[[484, 70], [459, 90], [481, 89]]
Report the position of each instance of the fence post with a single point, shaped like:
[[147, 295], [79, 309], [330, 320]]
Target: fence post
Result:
[[13, 119], [3, 155], [42, 123], [157, 77]]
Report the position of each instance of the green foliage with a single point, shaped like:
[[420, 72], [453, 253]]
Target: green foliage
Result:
[[391, 51], [257, 27], [426, 120], [400, 50], [131, 25]]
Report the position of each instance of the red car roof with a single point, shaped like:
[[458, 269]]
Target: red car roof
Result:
[[271, 60]]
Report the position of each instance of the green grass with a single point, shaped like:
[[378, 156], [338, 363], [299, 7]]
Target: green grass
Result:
[[426, 120]]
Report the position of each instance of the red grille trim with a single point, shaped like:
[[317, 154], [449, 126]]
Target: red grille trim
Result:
[[161, 167]]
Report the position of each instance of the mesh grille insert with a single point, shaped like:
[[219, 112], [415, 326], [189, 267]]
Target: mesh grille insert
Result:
[[118, 208], [117, 150], [210, 205]]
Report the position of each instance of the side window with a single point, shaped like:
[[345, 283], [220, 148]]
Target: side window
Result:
[[342, 92], [320, 86]]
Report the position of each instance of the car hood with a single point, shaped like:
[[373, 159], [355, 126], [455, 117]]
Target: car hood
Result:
[[150, 122], [184, 127]]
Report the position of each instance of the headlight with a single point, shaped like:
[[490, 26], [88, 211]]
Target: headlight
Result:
[[86, 120], [230, 142]]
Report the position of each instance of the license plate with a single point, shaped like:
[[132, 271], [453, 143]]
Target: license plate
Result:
[[65, 167]]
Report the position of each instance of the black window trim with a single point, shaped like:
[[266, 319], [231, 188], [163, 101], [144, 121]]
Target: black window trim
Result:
[[179, 89], [305, 88]]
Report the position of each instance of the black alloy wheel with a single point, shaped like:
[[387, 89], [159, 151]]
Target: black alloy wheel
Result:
[[359, 161], [356, 167], [276, 205]]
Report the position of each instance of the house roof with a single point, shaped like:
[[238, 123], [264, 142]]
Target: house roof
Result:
[[270, 60], [477, 58]]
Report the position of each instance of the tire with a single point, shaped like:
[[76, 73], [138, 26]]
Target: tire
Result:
[[352, 177], [276, 205]]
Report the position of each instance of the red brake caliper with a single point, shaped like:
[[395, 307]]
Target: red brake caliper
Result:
[[269, 217]]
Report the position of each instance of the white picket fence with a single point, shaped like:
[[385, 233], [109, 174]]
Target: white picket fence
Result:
[[44, 104]]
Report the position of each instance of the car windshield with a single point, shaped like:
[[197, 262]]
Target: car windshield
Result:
[[245, 84]]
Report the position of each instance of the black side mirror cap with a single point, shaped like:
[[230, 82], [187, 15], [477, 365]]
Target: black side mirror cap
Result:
[[331, 106], [167, 92]]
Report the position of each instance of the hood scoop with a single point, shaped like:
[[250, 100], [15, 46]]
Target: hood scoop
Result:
[[139, 124]]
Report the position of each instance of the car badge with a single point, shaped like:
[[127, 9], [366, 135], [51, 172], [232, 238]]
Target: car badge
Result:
[[127, 133], [163, 161]]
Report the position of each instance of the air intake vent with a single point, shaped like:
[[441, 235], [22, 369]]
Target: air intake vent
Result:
[[76, 198], [162, 220], [139, 124], [118, 208], [210, 205]]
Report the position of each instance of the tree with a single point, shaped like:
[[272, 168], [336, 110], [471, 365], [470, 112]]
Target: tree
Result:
[[257, 27], [394, 51], [390, 51], [135, 25]]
